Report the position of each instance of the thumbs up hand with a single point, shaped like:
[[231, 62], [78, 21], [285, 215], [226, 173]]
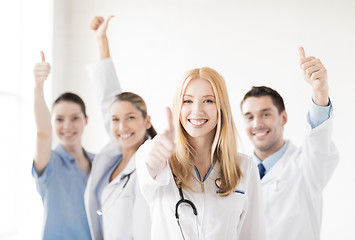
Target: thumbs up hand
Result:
[[99, 25], [41, 70], [316, 75], [161, 149]]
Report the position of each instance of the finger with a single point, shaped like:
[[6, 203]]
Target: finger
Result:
[[166, 142], [301, 52], [43, 58], [313, 69], [169, 116], [96, 22], [318, 75], [108, 20], [311, 63]]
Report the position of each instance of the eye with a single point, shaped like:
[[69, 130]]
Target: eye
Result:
[[208, 101], [131, 117], [115, 119], [59, 119], [75, 118], [266, 114], [187, 101], [249, 118]]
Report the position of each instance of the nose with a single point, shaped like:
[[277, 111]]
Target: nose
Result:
[[121, 125], [197, 107], [66, 124], [257, 122]]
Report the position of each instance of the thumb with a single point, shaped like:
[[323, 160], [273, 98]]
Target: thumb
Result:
[[301, 52], [43, 58], [107, 21], [170, 129]]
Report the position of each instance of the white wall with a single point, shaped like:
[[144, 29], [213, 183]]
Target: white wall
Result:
[[249, 42]]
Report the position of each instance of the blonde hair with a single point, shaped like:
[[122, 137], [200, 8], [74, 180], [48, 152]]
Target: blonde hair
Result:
[[224, 145]]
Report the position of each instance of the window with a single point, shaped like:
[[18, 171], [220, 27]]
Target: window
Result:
[[26, 29]]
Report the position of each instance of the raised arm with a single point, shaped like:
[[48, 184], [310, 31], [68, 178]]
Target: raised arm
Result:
[[99, 26], [319, 154], [42, 117], [102, 73]]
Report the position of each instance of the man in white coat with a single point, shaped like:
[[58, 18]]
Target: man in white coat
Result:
[[292, 178]]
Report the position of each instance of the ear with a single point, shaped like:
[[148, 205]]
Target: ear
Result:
[[86, 121], [284, 117], [148, 124]]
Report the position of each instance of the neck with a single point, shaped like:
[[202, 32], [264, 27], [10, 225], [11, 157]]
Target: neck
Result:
[[263, 154], [202, 147], [76, 151]]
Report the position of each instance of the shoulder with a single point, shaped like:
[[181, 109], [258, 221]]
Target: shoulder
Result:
[[246, 163]]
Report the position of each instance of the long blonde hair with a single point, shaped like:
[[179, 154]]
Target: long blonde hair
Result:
[[224, 145]]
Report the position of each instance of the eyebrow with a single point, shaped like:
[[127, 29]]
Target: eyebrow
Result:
[[262, 110], [71, 115], [125, 114], [187, 95]]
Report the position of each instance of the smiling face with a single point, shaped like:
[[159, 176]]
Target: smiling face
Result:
[[128, 125], [69, 122], [264, 125], [198, 114]]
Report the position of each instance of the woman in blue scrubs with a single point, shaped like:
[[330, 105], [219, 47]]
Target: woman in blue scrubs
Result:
[[61, 174]]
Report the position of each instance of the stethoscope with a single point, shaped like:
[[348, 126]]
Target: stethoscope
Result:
[[127, 177], [192, 205]]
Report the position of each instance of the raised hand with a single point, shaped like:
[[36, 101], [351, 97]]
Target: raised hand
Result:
[[162, 148], [41, 70], [99, 25], [316, 75]]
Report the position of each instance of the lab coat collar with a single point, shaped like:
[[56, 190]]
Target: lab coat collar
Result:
[[277, 168], [103, 160]]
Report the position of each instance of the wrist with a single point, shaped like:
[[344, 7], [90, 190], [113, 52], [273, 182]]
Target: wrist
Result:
[[321, 98], [101, 37]]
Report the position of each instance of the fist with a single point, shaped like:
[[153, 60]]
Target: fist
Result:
[[41, 70], [161, 149], [314, 71], [99, 25]]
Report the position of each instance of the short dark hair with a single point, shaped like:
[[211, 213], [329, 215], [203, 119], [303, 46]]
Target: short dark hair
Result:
[[71, 97], [261, 91]]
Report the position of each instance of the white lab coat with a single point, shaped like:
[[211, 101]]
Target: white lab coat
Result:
[[292, 189], [125, 212], [237, 216]]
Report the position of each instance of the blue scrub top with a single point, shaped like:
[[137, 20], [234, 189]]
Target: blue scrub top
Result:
[[62, 186]]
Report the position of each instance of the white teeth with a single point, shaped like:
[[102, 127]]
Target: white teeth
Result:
[[260, 134], [125, 136], [198, 122]]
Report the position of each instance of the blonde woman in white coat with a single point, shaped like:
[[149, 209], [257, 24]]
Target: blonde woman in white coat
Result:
[[198, 186], [113, 201]]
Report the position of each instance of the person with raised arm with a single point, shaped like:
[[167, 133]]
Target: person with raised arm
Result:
[[115, 206], [61, 174], [292, 178], [196, 183]]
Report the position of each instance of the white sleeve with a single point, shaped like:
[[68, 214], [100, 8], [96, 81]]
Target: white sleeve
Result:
[[319, 156], [253, 226], [102, 73], [147, 184]]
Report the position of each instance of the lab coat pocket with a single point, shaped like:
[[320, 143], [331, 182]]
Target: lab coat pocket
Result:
[[118, 222], [229, 210], [282, 199], [232, 204]]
